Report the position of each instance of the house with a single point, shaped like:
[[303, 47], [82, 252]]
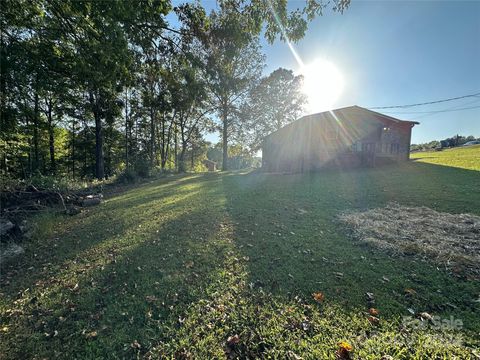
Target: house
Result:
[[210, 165], [350, 136]]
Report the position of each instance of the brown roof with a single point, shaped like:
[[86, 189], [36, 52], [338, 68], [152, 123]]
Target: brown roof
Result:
[[339, 113]]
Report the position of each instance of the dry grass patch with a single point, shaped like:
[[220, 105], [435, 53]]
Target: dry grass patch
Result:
[[451, 240]]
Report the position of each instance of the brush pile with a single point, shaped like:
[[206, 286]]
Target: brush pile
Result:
[[20, 203], [33, 199]]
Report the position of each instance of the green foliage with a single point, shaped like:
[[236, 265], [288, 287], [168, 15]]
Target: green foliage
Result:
[[233, 63], [276, 101], [39, 181], [127, 176], [115, 82], [457, 140], [142, 167]]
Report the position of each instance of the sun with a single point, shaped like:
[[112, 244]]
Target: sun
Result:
[[322, 84]]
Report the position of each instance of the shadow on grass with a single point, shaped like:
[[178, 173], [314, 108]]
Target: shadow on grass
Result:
[[127, 284], [68, 240], [286, 225], [169, 265]]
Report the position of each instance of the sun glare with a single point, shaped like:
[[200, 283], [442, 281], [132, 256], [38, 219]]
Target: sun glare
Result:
[[323, 84]]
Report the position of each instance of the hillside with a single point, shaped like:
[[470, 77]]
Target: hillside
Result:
[[460, 157]]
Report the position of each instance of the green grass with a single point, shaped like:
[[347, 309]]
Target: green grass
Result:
[[172, 268], [461, 157]]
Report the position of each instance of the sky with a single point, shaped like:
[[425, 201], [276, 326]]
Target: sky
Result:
[[396, 53]]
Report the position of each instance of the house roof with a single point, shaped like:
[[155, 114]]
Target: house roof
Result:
[[340, 113]]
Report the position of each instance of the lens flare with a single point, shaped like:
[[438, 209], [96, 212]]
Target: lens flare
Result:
[[323, 84]]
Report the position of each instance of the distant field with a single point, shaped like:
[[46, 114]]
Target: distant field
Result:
[[461, 157], [212, 266]]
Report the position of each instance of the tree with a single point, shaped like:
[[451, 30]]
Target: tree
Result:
[[101, 33], [76, 74], [233, 64], [276, 101]]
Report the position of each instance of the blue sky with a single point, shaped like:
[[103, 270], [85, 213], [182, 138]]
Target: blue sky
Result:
[[398, 52]]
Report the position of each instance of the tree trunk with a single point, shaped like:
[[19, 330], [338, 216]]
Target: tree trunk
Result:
[[181, 157], [175, 139], [29, 142], [35, 133], [99, 161], [126, 129], [85, 152], [51, 137], [182, 167], [162, 149], [193, 157], [73, 149], [225, 139], [152, 137]]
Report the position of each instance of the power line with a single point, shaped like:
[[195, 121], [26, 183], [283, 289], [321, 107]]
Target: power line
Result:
[[425, 103], [432, 112]]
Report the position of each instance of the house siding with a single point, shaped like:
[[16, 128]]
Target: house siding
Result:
[[343, 138]]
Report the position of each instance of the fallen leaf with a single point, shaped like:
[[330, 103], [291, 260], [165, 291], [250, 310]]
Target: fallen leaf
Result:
[[338, 274], [410, 292], [343, 352], [425, 316], [373, 311], [293, 356], [91, 335], [318, 296], [136, 345], [151, 298], [345, 345], [233, 340]]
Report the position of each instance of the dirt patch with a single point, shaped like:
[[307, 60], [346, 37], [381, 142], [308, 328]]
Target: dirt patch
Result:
[[451, 240]]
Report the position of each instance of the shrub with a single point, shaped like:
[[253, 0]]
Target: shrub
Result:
[[142, 168], [127, 176]]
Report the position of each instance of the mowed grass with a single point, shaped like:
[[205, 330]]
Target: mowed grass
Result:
[[461, 157], [173, 268]]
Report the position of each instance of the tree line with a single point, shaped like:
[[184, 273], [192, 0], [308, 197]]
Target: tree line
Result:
[[93, 88], [457, 140]]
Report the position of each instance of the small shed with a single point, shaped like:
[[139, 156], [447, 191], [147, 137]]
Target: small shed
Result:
[[350, 136], [210, 165]]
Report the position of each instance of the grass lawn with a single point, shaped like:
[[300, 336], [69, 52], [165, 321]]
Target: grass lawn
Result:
[[173, 268], [461, 157]]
